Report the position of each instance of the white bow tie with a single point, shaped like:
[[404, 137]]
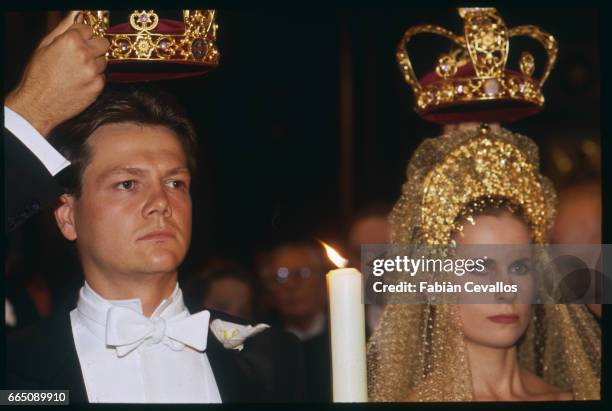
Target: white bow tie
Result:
[[126, 330]]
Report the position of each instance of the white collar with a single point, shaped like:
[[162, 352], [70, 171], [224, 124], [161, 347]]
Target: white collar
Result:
[[93, 308]]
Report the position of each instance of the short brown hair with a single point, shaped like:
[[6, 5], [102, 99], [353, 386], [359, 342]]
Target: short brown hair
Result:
[[131, 104]]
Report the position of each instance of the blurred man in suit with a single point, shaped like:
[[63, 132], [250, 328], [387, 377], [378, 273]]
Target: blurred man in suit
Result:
[[294, 275]]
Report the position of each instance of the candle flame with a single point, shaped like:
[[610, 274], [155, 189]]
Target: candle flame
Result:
[[333, 255]]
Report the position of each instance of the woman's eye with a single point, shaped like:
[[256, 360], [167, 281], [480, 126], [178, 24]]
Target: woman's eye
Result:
[[126, 185], [519, 268]]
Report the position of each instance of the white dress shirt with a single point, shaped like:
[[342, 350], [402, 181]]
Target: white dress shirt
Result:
[[53, 161], [155, 372]]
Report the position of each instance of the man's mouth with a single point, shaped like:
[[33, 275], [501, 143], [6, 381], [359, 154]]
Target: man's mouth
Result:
[[158, 235]]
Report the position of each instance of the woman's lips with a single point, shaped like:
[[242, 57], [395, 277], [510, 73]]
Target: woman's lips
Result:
[[504, 319], [158, 235]]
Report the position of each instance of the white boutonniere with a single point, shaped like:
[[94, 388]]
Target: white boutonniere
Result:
[[232, 335]]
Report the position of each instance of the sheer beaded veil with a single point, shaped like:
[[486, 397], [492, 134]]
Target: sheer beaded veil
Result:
[[419, 348]]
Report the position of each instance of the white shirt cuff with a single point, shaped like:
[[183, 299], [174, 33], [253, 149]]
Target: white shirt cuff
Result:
[[35, 142]]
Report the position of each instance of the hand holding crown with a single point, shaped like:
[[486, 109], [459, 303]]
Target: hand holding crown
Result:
[[63, 77]]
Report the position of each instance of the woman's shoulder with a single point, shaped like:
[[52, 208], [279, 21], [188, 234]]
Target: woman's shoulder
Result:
[[543, 391]]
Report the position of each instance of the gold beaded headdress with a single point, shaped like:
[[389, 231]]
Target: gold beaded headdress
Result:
[[473, 74], [463, 171], [178, 48]]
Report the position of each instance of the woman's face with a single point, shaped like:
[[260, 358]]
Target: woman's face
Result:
[[506, 241]]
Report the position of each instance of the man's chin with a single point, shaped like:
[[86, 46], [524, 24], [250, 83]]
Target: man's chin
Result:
[[163, 261]]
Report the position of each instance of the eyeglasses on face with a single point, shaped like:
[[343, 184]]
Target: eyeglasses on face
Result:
[[283, 274]]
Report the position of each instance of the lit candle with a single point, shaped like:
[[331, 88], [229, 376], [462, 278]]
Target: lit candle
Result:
[[347, 329]]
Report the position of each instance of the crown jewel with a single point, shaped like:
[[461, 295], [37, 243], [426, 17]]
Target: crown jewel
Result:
[[475, 69], [145, 37]]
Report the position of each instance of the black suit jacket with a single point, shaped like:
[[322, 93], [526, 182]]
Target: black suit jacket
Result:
[[317, 367], [268, 369], [28, 185]]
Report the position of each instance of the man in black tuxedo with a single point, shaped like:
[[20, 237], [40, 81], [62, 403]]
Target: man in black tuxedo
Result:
[[63, 77], [131, 338], [127, 207]]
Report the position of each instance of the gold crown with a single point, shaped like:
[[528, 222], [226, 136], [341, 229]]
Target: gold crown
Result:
[[148, 38], [485, 46]]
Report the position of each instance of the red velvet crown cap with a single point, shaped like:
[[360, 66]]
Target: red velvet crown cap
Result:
[[142, 71], [486, 111]]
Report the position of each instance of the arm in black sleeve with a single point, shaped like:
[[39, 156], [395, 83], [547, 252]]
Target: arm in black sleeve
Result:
[[28, 185]]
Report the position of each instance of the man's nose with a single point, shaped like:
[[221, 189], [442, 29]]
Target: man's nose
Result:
[[158, 202]]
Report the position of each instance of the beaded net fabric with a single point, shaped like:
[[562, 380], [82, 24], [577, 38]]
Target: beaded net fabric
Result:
[[417, 352]]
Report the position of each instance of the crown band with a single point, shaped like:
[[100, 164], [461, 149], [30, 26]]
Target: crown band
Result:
[[465, 90], [195, 43]]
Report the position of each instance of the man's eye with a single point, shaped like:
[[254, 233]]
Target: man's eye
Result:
[[126, 185], [176, 184]]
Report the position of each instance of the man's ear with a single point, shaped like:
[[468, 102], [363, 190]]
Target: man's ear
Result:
[[64, 216]]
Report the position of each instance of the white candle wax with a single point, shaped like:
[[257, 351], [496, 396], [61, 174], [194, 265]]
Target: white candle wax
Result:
[[347, 329]]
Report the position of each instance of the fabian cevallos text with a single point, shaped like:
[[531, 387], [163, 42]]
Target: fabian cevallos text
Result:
[[444, 287]]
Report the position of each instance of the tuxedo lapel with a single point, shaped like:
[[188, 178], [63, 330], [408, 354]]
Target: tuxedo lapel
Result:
[[69, 373], [46, 357], [232, 378]]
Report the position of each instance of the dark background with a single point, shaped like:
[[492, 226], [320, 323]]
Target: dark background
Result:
[[307, 120]]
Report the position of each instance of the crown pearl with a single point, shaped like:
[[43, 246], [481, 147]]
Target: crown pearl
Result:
[[124, 45], [164, 44], [491, 87]]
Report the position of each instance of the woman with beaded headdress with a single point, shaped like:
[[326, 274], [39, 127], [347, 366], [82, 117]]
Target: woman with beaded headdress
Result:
[[481, 185]]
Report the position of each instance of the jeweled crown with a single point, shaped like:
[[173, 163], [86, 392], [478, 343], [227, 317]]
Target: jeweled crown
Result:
[[146, 37], [474, 71]]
